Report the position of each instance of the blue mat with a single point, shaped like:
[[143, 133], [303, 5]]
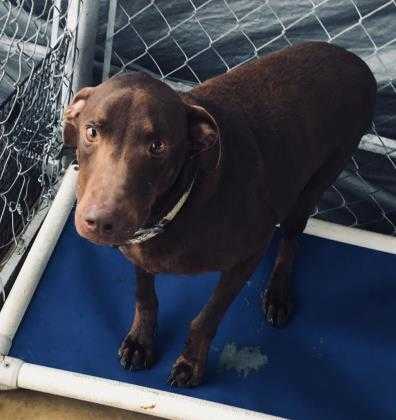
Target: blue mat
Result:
[[335, 360]]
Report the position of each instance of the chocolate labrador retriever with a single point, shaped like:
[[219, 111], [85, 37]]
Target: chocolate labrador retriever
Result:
[[196, 182]]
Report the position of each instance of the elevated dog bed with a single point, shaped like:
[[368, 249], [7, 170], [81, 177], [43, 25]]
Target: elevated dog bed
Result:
[[336, 358]]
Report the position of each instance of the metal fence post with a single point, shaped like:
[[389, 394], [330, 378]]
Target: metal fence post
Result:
[[109, 39], [85, 44], [82, 21]]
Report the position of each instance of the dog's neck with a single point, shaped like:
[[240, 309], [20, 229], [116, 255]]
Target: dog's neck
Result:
[[174, 199], [168, 205], [144, 234]]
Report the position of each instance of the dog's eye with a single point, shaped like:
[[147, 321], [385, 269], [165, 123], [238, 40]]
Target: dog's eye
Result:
[[92, 133], [157, 147]]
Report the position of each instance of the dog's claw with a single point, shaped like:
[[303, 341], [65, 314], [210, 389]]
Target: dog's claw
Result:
[[277, 308], [134, 355], [184, 375], [269, 312], [282, 316], [170, 380]]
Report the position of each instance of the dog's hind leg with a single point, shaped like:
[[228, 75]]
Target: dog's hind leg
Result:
[[277, 298], [136, 351]]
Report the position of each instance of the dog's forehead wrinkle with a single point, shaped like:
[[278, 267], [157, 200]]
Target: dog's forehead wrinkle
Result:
[[141, 96], [148, 126], [105, 103]]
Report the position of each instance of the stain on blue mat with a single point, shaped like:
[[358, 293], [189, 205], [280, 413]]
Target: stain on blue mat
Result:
[[335, 360]]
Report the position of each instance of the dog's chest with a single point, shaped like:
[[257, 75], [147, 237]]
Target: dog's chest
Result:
[[211, 250], [174, 259], [213, 239]]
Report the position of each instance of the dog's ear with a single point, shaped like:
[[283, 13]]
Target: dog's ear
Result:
[[70, 117], [203, 130]]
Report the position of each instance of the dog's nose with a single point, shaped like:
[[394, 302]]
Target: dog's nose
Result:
[[98, 221]]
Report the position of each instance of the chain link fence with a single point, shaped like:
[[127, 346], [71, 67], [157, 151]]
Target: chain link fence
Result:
[[193, 40], [187, 41], [33, 77]]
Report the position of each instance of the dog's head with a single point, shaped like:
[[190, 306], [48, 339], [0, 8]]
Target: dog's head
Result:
[[133, 135]]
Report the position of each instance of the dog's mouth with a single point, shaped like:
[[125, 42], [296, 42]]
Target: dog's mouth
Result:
[[114, 241], [119, 236]]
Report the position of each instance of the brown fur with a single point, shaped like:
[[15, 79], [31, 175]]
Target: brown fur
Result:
[[264, 141]]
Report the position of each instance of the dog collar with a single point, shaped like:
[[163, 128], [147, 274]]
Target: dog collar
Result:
[[144, 234]]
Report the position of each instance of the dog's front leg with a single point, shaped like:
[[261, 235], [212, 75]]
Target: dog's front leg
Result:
[[136, 351], [188, 371]]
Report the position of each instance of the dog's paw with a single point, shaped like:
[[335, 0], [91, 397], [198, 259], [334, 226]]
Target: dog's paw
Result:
[[186, 373], [277, 306], [134, 355]]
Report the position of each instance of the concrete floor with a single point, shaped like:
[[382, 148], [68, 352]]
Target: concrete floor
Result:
[[25, 405]]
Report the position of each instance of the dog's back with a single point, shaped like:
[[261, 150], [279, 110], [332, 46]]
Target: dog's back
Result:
[[302, 105]]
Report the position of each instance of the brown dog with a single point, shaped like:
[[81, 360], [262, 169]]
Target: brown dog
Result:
[[194, 182]]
